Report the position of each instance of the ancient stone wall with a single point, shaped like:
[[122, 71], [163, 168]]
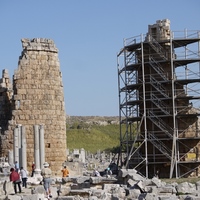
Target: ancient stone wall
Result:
[[39, 99], [6, 93]]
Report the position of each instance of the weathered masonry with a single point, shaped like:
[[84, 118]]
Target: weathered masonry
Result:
[[36, 98], [159, 76]]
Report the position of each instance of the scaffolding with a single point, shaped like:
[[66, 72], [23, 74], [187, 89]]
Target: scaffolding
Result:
[[159, 101]]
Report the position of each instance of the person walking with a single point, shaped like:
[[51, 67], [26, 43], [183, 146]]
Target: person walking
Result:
[[15, 178], [65, 172], [23, 174], [46, 174]]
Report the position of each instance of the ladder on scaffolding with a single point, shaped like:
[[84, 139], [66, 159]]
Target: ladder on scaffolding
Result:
[[157, 48], [160, 145]]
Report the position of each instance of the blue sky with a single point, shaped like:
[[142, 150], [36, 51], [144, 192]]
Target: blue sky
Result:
[[88, 34]]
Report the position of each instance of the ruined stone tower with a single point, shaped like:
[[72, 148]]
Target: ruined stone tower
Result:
[[38, 99]]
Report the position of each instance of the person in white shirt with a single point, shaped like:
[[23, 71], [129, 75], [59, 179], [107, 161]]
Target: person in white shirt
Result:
[[23, 174]]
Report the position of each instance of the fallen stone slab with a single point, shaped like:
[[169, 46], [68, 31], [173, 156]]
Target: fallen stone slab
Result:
[[102, 180], [82, 179], [12, 197], [66, 180], [93, 198], [68, 198], [115, 189], [7, 188], [133, 193], [140, 185], [130, 172], [156, 181], [167, 189], [38, 190], [34, 197], [186, 188], [97, 193], [168, 197], [63, 190], [188, 197], [79, 186], [151, 189], [131, 183], [85, 193]]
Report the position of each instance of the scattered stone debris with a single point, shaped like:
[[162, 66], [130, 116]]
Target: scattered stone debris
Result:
[[128, 184]]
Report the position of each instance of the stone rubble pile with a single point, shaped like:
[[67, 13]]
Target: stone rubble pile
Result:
[[127, 185]]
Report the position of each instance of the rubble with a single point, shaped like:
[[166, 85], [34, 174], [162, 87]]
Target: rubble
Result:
[[128, 184]]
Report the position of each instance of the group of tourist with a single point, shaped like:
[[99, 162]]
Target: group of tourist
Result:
[[106, 172], [19, 175]]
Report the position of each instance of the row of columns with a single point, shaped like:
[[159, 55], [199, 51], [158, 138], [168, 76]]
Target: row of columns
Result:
[[19, 152]]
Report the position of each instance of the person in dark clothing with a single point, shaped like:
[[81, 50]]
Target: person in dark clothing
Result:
[[15, 178]]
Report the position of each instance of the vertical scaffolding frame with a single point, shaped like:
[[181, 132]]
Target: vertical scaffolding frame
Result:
[[158, 106]]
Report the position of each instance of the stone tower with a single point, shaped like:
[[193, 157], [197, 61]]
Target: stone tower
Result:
[[38, 99], [158, 92]]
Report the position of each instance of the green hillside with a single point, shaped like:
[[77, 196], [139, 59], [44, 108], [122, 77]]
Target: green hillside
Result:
[[92, 137]]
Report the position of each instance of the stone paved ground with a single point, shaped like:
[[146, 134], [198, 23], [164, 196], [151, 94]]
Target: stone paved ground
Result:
[[27, 192]]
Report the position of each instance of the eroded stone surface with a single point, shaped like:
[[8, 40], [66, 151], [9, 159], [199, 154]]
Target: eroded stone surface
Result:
[[38, 98]]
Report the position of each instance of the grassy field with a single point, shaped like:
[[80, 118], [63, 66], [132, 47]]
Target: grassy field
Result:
[[105, 138], [92, 137]]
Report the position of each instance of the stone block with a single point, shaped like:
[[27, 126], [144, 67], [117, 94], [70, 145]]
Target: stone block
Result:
[[169, 197], [186, 188], [13, 197], [34, 197], [80, 186], [131, 182], [110, 187], [133, 193], [2, 192], [98, 193], [64, 190], [83, 179], [167, 189], [67, 198], [38, 190], [156, 181], [8, 187], [93, 198]]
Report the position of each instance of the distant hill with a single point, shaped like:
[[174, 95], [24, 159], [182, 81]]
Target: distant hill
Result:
[[101, 120], [93, 133]]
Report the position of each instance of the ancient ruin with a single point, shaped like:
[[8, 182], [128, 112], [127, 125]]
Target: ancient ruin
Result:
[[159, 97], [32, 107]]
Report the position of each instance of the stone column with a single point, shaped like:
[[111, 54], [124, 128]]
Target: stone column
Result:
[[16, 147], [42, 146], [110, 157], [83, 155], [67, 152], [36, 150], [19, 126], [24, 158], [20, 144], [10, 158]]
